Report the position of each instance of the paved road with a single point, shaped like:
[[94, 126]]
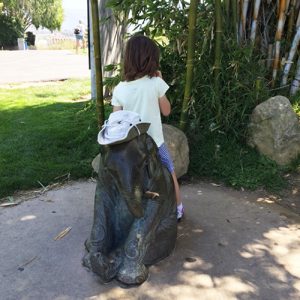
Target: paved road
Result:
[[41, 65], [242, 247]]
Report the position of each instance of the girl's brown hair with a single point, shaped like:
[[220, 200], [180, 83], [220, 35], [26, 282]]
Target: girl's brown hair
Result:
[[141, 58]]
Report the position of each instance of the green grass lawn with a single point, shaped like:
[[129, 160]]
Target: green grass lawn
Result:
[[45, 132], [50, 130]]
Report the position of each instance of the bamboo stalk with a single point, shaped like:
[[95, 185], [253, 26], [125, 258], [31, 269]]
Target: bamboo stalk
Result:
[[189, 62], [296, 82], [218, 49], [218, 35], [278, 36], [270, 55], [291, 22], [287, 5], [298, 20], [254, 21], [244, 10], [227, 10], [97, 58], [234, 6], [291, 56]]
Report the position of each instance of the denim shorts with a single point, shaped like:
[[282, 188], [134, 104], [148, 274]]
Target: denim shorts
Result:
[[165, 157], [79, 37]]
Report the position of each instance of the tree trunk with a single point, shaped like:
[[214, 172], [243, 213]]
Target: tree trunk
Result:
[[189, 62], [112, 39], [97, 59], [91, 54]]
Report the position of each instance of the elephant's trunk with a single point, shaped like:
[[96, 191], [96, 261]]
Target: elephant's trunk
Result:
[[130, 187]]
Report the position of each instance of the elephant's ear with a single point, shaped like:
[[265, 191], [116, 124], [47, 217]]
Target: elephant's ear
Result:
[[102, 160], [150, 144], [101, 169]]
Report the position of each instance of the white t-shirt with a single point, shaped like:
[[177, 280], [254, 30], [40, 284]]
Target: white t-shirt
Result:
[[81, 28], [141, 96]]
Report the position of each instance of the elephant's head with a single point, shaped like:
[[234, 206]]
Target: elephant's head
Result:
[[128, 164]]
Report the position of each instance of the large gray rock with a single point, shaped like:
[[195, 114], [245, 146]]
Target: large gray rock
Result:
[[177, 145], [179, 148], [274, 130]]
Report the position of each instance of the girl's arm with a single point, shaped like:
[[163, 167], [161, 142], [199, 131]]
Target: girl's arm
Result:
[[164, 105], [116, 108]]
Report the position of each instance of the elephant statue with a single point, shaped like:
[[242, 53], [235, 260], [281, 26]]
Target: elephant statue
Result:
[[135, 222]]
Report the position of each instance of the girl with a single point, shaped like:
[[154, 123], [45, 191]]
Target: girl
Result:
[[143, 92]]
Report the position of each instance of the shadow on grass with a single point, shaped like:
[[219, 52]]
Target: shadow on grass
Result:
[[45, 95], [40, 143]]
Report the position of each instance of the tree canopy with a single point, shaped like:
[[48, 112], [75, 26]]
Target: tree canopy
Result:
[[40, 13]]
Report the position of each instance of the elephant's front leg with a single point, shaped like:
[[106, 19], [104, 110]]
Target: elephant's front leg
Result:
[[100, 241], [133, 271]]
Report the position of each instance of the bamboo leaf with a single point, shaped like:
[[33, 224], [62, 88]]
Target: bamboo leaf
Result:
[[63, 233]]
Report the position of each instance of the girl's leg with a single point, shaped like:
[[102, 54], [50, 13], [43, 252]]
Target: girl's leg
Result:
[[176, 186], [180, 209], [77, 45], [166, 160]]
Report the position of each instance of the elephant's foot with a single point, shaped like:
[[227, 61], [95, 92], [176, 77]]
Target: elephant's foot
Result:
[[87, 245], [132, 272], [86, 261], [106, 268]]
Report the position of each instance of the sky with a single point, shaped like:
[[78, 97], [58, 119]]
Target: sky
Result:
[[74, 11]]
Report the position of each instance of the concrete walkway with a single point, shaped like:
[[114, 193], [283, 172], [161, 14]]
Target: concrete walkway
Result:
[[41, 65], [231, 245]]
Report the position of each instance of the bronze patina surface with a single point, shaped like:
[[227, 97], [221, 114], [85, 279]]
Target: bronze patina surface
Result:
[[135, 221]]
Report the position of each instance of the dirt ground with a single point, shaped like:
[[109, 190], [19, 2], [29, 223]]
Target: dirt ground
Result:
[[290, 197], [231, 245]]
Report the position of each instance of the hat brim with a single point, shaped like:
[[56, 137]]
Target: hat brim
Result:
[[133, 132]]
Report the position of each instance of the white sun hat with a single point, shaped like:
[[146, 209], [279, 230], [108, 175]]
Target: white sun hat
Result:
[[121, 126]]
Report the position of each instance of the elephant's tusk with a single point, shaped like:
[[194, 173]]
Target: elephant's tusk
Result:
[[151, 195]]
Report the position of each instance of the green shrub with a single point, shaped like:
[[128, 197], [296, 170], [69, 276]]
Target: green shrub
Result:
[[218, 118], [10, 31], [225, 158]]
